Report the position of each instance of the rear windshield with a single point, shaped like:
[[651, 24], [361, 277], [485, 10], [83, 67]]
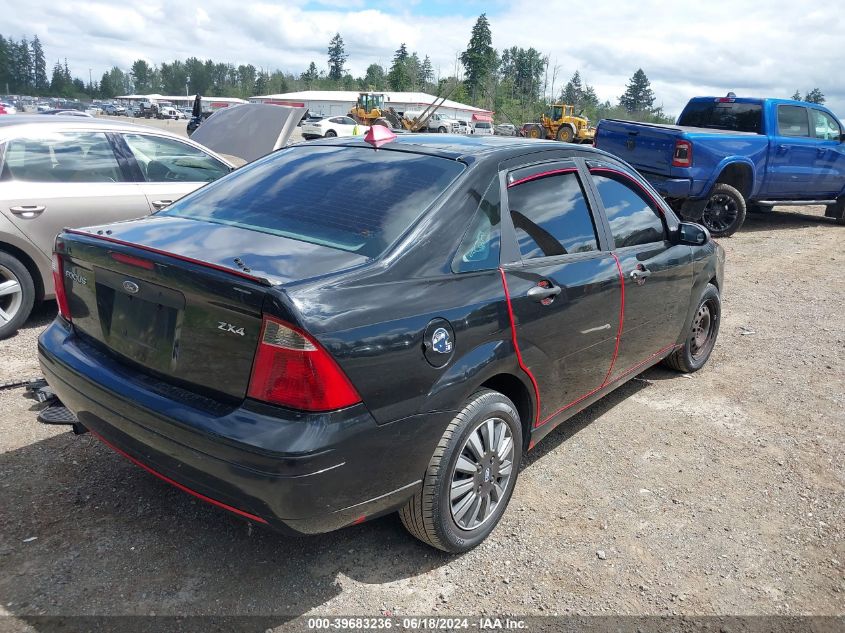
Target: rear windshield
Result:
[[354, 199], [737, 117]]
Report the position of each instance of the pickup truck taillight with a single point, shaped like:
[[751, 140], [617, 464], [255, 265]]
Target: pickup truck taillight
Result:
[[59, 283], [293, 370], [683, 154]]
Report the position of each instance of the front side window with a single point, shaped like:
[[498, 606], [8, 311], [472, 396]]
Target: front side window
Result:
[[632, 216], [65, 157], [168, 160], [551, 216], [793, 121], [824, 126]]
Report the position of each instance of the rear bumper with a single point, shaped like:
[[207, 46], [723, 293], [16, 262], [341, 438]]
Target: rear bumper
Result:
[[301, 473]]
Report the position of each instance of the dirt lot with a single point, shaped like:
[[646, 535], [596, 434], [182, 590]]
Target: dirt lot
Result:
[[717, 493]]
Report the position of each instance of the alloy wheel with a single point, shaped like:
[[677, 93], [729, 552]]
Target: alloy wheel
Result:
[[720, 213], [11, 295], [482, 473]]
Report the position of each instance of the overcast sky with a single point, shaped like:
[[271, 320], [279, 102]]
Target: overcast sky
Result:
[[763, 48]]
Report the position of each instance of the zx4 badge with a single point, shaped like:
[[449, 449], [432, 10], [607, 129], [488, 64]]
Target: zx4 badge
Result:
[[229, 328]]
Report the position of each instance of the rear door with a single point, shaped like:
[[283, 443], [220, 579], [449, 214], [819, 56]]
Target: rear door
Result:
[[167, 168], [565, 291], [656, 273], [65, 179], [792, 155]]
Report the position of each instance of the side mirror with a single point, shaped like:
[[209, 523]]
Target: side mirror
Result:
[[842, 138], [692, 234]]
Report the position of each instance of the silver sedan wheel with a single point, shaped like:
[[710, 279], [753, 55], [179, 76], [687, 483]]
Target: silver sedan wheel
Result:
[[481, 474], [11, 295]]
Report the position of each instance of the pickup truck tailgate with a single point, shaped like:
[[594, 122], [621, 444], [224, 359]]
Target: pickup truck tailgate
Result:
[[648, 147]]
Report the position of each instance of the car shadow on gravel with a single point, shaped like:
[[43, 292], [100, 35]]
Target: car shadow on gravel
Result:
[[85, 532], [782, 219]]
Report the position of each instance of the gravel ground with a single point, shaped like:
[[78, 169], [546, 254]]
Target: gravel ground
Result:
[[717, 493]]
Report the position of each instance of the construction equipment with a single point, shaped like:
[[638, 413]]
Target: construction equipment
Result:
[[371, 109], [560, 122]]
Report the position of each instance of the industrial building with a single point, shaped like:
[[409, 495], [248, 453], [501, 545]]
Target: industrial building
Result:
[[337, 102]]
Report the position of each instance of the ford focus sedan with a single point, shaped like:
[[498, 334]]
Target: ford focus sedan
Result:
[[339, 331]]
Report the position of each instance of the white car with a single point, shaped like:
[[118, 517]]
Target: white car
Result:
[[333, 126], [483, 128]]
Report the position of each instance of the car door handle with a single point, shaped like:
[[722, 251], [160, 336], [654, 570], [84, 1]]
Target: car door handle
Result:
[[782, 149], [821, 151], [28, 211], [158, 205], [542, 293], [640, 274]]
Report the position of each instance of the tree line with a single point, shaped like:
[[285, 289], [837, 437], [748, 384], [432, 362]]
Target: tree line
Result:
[[517, 83]]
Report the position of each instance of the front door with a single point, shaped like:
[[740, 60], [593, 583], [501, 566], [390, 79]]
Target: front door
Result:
[[566, 292], [657, 274]]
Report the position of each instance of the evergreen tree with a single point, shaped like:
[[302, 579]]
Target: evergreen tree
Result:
[[479, 59], [426, 73], [815, 96], [337, 58], [374, 78], [5, 64], [573, 92], [39, 67], [638, 96], [398, 78], [311, 75], [23, 67], [796, 96], [414, 66], [142, 76], [57, 84]]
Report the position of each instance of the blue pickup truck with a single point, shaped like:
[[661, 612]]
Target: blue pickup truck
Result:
[[728, 155]]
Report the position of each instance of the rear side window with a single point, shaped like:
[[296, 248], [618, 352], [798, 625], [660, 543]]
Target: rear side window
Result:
[[632, 217], [351, 198], [738, 117], [62, 157], [550, 216], [479, 250], [793, 121], [167, 160]]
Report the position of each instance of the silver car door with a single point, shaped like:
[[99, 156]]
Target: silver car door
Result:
[[64, 179], [171, 168]]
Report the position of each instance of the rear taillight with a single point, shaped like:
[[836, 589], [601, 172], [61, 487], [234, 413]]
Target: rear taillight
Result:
[[59, 283], [683, 154], [291, 369]]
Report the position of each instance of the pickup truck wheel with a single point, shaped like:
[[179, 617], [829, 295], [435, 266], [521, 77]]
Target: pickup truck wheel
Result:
[[17, 294], [836, 211], [725, 211], [442, 130], [470, 477], [701, 336], [565, 134]]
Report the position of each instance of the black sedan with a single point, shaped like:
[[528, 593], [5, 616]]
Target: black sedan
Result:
[[339, 330]]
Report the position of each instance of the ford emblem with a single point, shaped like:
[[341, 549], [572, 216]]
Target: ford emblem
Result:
[[131, 287]]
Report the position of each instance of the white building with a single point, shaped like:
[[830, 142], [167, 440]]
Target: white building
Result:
[[338, 102]]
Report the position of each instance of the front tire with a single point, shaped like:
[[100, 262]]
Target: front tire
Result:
[[471, 476], [17, 294], [725, 211], [565, 134], [701, 337], [330, 134]]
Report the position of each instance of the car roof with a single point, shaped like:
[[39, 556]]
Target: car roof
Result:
[[458, 146], [21, 123]]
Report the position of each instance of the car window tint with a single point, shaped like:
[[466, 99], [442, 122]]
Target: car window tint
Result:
[[479, 249], [824, 126], [632, 217], [792, 121], [168, 160], [349, 198], [551, 216], [62, 157]]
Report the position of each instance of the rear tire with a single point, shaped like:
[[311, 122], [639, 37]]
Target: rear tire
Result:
[[725, 211], [701, 336], [836, 211], [460, 504], [17, 294], [330, 134], [442, 130]]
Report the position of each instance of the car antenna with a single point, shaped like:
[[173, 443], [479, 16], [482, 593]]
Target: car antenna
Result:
[[378, 135]]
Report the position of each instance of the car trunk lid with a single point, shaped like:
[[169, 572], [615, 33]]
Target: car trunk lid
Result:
[[179, 298]]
